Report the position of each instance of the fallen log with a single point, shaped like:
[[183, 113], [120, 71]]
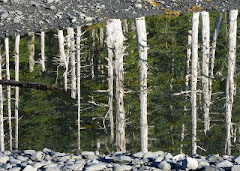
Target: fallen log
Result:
[[29, 85]]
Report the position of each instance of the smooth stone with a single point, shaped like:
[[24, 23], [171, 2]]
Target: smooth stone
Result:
[[88, 153], [21, 158], [7, 166], [122, 168], [138, 6], [159, 159], [98, 166], [137, 162], [149, 155], [224, 163], [159, 153], [165, 166], [213, 168], [168, 156], [214, 158], [52, 169], [3, 159], [13, 160], [236, 168], [7, 153], [77, 166], [57, 154], [202, 163], [29, 168], [88, 19], [29, 152], [192, 164], [138, 154], [124, 158], [38, 165], [76, 157], [179, 157], [237, 159], [48, 151], [15, 169], [50, 165], [38, 156]]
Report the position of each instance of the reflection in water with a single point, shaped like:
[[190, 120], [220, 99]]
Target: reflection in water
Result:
[[49, 118]]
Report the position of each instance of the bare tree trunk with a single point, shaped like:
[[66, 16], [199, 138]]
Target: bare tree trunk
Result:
[[101, 36], [205, 68], [109, 41], [125, 26], [73, 61], [43, 51], [63, 58], [1, 110], [92, 52], [143, 67], [195, 23], [230, 87], [8, 92], [31, 48], [120, 113], [187, 76], [17, 44], [79, 81], [214, 46]]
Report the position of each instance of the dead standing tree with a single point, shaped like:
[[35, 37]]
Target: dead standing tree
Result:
[[231, 85], [1, 110], [142, 50]]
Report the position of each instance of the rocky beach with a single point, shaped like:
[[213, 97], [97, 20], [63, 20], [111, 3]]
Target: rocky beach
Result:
[[48, 160], [22, 16]]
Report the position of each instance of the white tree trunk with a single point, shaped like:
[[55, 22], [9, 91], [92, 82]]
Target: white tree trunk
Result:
[[101, 36], [43, 51], [195, 23], [63, 58], [109, 41], [120, 113], [230, 87], [31, 48], [92, 52], [214, 46], [187, 76], [73, 62], [78, 46], [205, 68], [1, 110], [143, 67], [17, 44], [8, 92]]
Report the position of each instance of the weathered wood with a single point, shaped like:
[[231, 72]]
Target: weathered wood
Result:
[[143, 67], [230, 86], [17, 44], [195, 23], [43, 58], [1, 110]]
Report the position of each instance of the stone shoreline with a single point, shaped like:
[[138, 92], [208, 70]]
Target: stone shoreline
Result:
[[48, 160], [22, 16]]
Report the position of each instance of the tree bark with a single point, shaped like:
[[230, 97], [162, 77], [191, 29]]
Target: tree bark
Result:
[[143, 67], [187, 76], [43, 51], [205, 68], [231, 86], [73, 62], [109, 41], [1, 110], [120, 113], [92, 52], [195, 23], [8, 92], [63, 59], [17, 44], [31, 48], [79, 81]]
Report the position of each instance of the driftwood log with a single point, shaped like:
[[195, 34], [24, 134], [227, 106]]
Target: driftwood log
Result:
[[29, 85]]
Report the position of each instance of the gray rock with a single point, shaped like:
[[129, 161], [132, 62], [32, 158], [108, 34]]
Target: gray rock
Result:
[[138, 6], [4, 1], [38, 165], [138, 154], [21, 158], [202, 163], [13, 160], [213, 168], [237, 159], [29, 152], [98, 166], [214, 158], [224, 164], [48, 151], [77, 166], [29, 168], [190, 163], [149, 155], [52, 169], [168, 156], [165, 166], [15, 169], [123, 158], [236, 168], [179, 157], [3, 159], [122, 168], [38, 156]]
